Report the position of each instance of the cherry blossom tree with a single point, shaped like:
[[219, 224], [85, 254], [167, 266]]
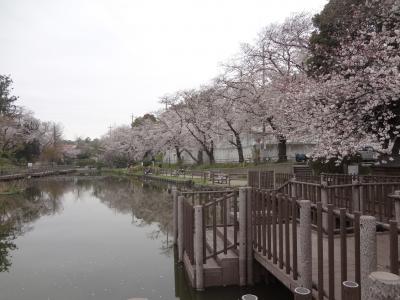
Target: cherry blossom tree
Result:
[[264, 70], [121, 146], [195, 111], [232, 118], [172, 134], [357, 101]]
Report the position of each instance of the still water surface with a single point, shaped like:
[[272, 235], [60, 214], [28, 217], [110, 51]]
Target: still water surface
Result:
[[103, 239]]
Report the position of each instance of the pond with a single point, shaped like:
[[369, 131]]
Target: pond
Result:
[[104, 238]]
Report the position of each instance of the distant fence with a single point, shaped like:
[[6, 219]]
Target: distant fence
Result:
[[213, 176]]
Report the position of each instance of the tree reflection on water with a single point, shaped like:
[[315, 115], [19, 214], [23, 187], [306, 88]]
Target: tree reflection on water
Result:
[[147, 205]]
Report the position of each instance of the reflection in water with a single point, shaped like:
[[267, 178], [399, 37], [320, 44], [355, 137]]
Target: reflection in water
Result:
[[19, 211], [106, 238], [148, 206]]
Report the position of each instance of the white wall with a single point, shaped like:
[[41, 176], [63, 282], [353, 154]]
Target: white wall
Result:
[[226, 152]]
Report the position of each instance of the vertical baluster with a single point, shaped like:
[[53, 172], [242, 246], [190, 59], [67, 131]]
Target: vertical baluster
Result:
[[357, 246], [259, 223], [294, 236], [274, 239], [214, 227], [343, 245], [287, 242], [264, 224], [268, 199], [331, 254], [320, 253], [253, 216], [280, 212], [235, 220], [205, 210], [394, 248], [225, 219]]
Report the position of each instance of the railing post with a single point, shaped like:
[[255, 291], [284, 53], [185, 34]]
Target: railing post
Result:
[[228, 205], [324, 201], [382, 286], [396, 199], [394, 248], [259, 179], [293, 187], [249, 237], [355, 193], [368, 247], [302, 293], [242, 236], [274, 179], [351, 290], [198, 244], [305, 257], [175, 214], [180, 227], [361, 193]]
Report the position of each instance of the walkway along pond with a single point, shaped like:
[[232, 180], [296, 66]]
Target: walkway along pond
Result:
[[106, 238]]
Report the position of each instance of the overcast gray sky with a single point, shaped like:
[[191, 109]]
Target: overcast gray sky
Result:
[[90, 64]]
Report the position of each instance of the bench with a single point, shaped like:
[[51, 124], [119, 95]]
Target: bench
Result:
[[221, 179]]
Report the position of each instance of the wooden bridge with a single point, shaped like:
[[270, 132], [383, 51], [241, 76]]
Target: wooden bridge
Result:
[[306, 231]]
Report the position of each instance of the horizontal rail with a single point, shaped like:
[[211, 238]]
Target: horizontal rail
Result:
[[215, 201], [208, 192], [220, 251]]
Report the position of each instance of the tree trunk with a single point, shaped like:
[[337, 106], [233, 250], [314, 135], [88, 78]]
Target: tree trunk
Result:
[[210, 153], [396, 147], [282, 149], [197, 160], [239, 148], [178, 155], [200, 157]]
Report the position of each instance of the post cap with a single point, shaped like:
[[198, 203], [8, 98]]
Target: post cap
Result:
[[395, 195], [350, 284], [385, 277], [302, 291], [249, 297]]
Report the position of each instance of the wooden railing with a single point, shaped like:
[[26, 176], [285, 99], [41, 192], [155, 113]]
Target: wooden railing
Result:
[[261, 179], [220, 212], [278, 226], [275, 219], [281, 179], [274, 232], [367, 194], [371, 198]]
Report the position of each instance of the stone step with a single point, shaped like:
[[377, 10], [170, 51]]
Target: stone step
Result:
[[212, 272], [229, 262]]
